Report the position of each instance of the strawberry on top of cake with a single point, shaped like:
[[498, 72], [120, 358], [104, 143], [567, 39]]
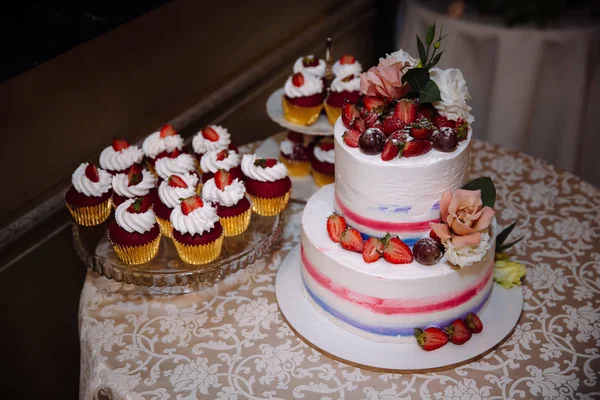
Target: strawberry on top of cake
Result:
[[211, 138], [310, 65], [225, 159], [162, 142], [120, 156], [175, 163], [344, 88], [89, 186], [304, 90], [137, 182], [346, 66]]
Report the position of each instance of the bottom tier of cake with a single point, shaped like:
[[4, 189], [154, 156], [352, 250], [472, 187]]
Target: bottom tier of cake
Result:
[[382, 301]]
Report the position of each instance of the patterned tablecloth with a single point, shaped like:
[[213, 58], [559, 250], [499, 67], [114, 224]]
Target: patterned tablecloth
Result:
[[231, 342]]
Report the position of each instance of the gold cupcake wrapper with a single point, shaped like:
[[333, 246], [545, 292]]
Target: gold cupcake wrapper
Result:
[[322, 179], [136, 254], [92, 215], [233, 226], [333, 113], [199, 254], [295, 167], [300, 115], [166, 228], [270, 207]]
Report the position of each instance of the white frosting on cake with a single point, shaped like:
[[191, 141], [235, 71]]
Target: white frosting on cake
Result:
[[287, 147], [153, 145], [258, 173], [326, 156], [210, 163], [183, 163], [342, 70], [312, 85], [120, 184], [400, 196], [82, 184], [317, 70], [200, 220], [339, 85], [228, 197], [202, 145], [381, 300], [120, 160], [134, 222], [170, 196]]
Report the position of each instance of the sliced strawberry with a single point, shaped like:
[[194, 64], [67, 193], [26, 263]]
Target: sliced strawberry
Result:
[[442, 122], [140, 205], [372, 120], [401, 136], [310, 61], [395, 251], [431, 338], [435, 237], [298, 79], [373, 103], [406, 111], [372, 250], [174, 154], [457, 332], [134, 175], [326, 145], [91, 172], [265, 162], [209, 133], [473, 323], [223, 178], [190, 204], [351, 240], [223, 154], [349, 113], [462, 129], [167, 130], [425, 111], [391, 149], [351, 138], [421, 130], [177, 182], [336, 225], [359, 125], [392, 124], [347, 59], [119, 144], [416, 148]]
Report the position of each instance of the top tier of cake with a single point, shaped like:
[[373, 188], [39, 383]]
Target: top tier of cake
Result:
[[400, 196]]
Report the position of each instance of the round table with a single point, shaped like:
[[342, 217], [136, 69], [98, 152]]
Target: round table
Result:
[[231, 342]]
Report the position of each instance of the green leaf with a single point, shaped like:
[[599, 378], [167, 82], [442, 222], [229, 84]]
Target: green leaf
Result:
[[430, 34], [435, 60], [421, 49], [488, 190], [508, 246], [430, 93], [416, 78], [504, 234]]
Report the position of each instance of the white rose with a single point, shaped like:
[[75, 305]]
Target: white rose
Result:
[[403, 57], [465, 256], [454, 94]]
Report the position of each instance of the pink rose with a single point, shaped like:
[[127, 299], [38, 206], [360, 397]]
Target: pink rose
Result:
[[463, 217], [384, 81]]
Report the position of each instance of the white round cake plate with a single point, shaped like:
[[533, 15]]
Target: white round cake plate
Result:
[[275, 112], [303, 187], [499, 319]]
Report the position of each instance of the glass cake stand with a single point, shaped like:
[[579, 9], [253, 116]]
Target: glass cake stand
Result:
[[167, 273]]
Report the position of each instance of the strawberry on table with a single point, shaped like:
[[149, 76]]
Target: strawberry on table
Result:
[[395, 251], [457, 332], [351, 138], [167, 130], [336, 225], [119, 144], [406, 111], [351, 240], [431, 338], [223, 179], [372, 250], [416, 148], [190, 204], [473, 323]]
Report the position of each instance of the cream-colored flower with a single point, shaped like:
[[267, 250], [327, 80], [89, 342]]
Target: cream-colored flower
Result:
[[509, 273], [467, 255], [454, 94]]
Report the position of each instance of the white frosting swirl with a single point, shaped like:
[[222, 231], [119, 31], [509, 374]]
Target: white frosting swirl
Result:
[[318, 70], [166, 166], [342, 70], [287, 147], [338, 85], [312, 85], [278, 171], [91, 189], [228, 197], [170, 196], [202, 219], [120, 184], [454, 94], [209, 162], [134, 222], [154, 145], [327, 156], [120, 160], [403, 57], [202, 145]]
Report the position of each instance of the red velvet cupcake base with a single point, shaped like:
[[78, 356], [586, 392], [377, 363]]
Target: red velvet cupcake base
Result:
[[161, 210], [306, 101], [323, 167], [268, 190], [337, 99], [241, 207], [77, 199], [120, 236], [196, 240]]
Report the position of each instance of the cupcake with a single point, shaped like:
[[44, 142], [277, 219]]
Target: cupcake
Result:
[[89, 197], [302, 101], [346, 66], [227, 160], [176, 163], [161, 143], [342, 90], [267, 184], [170, 193], [323, 163], [134, 235], [310, 65], [197, 232], [294, 154], [211, 138], [120, 156], [228, 195], [137, 182]]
